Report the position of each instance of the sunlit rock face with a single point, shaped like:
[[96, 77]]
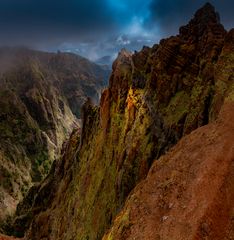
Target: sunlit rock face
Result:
[[155, 97], [41, 95]]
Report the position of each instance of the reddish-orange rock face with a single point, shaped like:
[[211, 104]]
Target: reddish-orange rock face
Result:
[[188, 193], [3, 237]]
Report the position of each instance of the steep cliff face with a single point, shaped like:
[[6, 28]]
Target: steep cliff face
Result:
[[155, 97], [37, 93], [188, 193]]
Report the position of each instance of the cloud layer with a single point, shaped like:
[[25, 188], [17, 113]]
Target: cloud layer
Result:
[[95, 28]]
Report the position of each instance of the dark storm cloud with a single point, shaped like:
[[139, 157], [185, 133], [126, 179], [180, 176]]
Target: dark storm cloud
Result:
[[94, 28], [65, 12], [56, 19]]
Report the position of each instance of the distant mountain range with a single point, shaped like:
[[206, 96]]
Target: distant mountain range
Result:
[[41, 95]]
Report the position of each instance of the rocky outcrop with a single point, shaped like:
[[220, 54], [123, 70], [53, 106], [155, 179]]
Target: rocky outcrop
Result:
[[40, 99], [155, 97]]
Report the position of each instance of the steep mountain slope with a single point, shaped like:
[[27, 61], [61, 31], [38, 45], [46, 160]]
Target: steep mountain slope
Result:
[[40, 99], [188, 193], [155, 97]]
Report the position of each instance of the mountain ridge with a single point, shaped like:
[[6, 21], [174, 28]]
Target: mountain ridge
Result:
[[155, 98], [40, 101]]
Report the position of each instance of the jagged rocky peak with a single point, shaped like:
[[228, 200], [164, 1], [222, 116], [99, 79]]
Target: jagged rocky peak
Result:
[[207, 14], [123, 57], [122, 69], [124, 53], [206, 21]]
